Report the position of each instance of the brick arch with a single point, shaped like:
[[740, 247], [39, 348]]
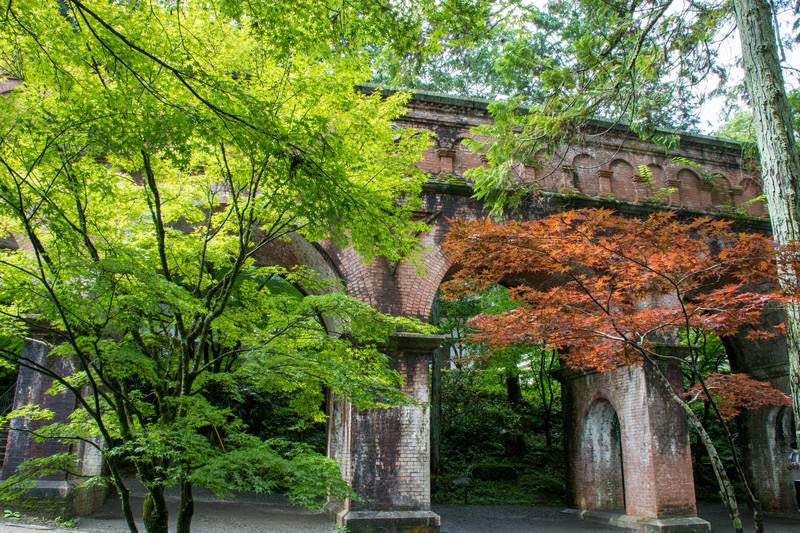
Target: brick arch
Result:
[[783, 426], [656, 188], [659, 174], [420, 291], [780, 426], [602, 446], [450, 156], [688, 184], [296, 250], [646, 414], [431, 157], [464, 158], [585, 168], [402, 288], [720, 191], [622, 184], [751, 187]]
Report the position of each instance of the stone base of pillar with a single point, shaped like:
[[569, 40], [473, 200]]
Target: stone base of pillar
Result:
[[389, 521], [62, 498], [87, 500], [675, 524]]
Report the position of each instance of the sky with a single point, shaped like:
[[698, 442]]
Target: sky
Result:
[[715, 112]]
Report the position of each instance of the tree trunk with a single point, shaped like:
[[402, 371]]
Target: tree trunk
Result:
[[154, 512], [513, 390], [186, 508], [780, 162], [124, 494], [547, 360], [514, 441], [752, 498]]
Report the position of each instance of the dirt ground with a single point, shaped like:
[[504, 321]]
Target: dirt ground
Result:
[[273, 514]]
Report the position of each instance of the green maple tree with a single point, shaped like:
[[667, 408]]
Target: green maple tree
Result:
[[148, 153]]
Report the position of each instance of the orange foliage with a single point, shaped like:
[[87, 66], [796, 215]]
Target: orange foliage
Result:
[[604, 289], [734, 392]]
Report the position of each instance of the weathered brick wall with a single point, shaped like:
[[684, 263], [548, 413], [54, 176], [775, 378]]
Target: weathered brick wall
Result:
[[384, 453], [30, 389], [765, 435], [653, 445], [707, 174], [604, 166], [56, 493]]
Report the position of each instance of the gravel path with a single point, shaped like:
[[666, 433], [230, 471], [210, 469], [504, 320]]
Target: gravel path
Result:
[[272, 514]]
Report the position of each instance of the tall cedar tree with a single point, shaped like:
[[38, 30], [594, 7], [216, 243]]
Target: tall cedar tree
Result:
[[607, 290]]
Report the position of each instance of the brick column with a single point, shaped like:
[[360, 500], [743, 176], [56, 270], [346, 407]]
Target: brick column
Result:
[[766, 435], [653, 456], [385, 453], [55, 493]]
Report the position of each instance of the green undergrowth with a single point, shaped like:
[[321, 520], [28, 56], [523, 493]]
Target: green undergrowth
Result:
[[47, 520], [534, 477], [531, 488]]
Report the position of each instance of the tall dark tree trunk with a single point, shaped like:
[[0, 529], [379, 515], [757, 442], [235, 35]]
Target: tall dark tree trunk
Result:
[[515, 441], [780, 162], [154, 513], [186, 508], [124, 494], [547, 361], [513, 390]]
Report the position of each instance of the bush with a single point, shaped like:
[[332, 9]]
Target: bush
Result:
[[494, 472]]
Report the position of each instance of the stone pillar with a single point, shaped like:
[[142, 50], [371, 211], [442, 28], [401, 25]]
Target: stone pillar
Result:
[[56, 493], [766, 436], [651, 455], [385, 453], [766, 433]]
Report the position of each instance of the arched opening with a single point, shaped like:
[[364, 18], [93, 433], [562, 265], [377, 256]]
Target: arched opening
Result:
[[585, 174], [781, 448], [721, 195], [784, 429], [280, 402], [495, 424], [688, 184], [602, 453]]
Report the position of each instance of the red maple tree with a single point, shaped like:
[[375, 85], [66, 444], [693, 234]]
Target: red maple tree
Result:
[[609, 290]]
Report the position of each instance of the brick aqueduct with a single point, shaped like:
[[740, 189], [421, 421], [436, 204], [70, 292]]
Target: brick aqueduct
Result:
[[626, 445]]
